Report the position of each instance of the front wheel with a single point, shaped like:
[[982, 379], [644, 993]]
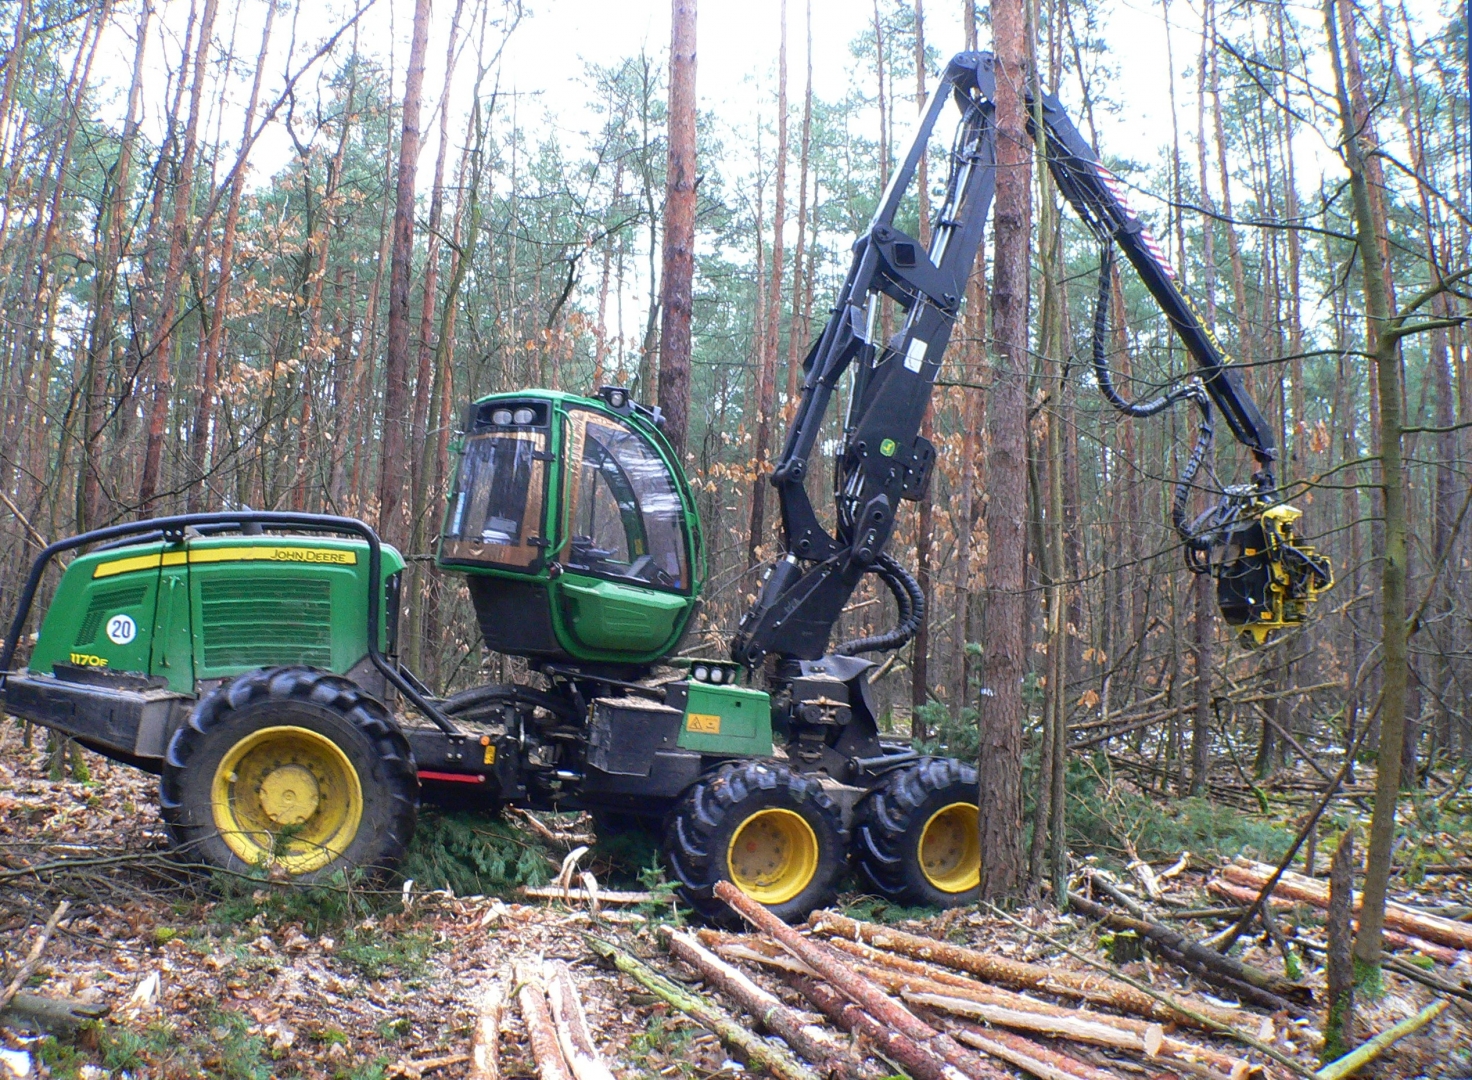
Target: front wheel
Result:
[[771, 832], [917, 839], [293, 770]]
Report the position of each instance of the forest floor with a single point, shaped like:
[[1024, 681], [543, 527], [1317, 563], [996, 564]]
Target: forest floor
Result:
[[268, 982]]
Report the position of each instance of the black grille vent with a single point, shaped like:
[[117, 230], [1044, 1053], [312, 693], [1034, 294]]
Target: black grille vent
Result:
[[266, 622], [107, 602]]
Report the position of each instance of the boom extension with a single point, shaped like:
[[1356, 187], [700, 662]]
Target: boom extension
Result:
[[1264, 581]]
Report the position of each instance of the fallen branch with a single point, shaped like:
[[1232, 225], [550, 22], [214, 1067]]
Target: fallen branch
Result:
[[605, 896], [573, 1033], [539, 827], [411, 1069], [1102, 990], [809, 1040], [485, 1044], [1432, 928], [758, 1052], [1259, 987], [532, 997], [1368, 1052], [33, 959], [1195, 1015]]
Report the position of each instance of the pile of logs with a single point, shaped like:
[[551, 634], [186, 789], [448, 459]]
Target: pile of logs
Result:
[[936, 1010]]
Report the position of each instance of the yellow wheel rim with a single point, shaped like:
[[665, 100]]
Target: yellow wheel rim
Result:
[[773, 856], [950, 848], [287, 797]]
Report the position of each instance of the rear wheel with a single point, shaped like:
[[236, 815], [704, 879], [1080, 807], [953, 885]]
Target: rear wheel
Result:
[[294, 770], [916, 838], [769, 831]]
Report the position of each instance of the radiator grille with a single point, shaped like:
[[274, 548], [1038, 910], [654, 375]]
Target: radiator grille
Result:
[[106, 602], [265, 622]]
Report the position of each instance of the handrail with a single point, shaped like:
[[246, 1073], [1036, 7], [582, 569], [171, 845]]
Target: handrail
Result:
[[172, 528]]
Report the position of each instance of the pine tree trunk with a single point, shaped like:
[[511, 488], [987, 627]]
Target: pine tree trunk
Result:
[[174, 271], [1005, 658], [1357, 144], [678, 277], [771, 329], [392, 473]]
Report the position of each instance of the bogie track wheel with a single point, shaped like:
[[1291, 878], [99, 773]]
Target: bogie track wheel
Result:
[[768, 830], [916, 838], [294, 771]]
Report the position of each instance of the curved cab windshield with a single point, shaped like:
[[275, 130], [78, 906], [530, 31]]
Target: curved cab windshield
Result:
[[625, 518]]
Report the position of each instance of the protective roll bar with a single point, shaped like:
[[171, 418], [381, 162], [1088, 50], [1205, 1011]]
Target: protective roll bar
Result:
[[173, 528]]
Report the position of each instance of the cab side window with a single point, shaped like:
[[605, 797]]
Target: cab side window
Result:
[[625, 520]]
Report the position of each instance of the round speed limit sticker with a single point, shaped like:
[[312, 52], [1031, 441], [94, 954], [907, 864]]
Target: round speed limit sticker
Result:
[[121, 629]]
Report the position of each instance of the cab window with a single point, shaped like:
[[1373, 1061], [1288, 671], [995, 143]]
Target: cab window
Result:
[[624, 518], [495, 512]]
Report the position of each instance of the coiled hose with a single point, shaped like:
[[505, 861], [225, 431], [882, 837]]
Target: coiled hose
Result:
[[1192, 391], [911, 602]]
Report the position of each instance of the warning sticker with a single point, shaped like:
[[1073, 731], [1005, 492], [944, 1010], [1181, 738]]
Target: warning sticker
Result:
[[703, 723]]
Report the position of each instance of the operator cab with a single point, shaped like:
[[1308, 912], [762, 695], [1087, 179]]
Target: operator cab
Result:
[[576, 530]]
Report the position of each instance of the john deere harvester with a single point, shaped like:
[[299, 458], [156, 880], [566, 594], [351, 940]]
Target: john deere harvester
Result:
[[250, 658]]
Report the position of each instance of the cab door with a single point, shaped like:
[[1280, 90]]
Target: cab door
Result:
[[624, 545]]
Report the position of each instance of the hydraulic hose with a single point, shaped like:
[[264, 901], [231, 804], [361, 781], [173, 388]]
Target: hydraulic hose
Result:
[[911, 602], [1101, 358], [1195, 542]]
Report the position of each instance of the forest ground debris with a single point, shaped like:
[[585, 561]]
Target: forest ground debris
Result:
[[265, 981]]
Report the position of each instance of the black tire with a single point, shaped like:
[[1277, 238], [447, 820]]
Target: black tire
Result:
[[324, 728], [702, 829], [915, 836]]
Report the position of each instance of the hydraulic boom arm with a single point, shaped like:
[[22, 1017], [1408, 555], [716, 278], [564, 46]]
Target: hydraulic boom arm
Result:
[[884, 459]]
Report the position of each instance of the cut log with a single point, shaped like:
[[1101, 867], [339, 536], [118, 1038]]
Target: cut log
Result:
[[899, 975], [758, 1053], [573, 1033], [1440, 953], [546, 1050], [809, 1040], [1027, 1055], [1259, 987], [58, 1016], [485, 1044], [917, 1059], [1431, 928], [1100, 989], [854, 986]]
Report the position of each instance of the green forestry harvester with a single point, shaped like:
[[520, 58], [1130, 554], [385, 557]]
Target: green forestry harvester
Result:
[[249, 658]]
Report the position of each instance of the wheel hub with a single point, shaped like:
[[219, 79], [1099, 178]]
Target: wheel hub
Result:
[[950, 848], [289, 794], [773, 855]]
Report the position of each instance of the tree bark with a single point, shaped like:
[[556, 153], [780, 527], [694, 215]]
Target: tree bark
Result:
[[392, 473], [174, 270], [677, 281], [1005, 659], [772, 327], [1357, 142]]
